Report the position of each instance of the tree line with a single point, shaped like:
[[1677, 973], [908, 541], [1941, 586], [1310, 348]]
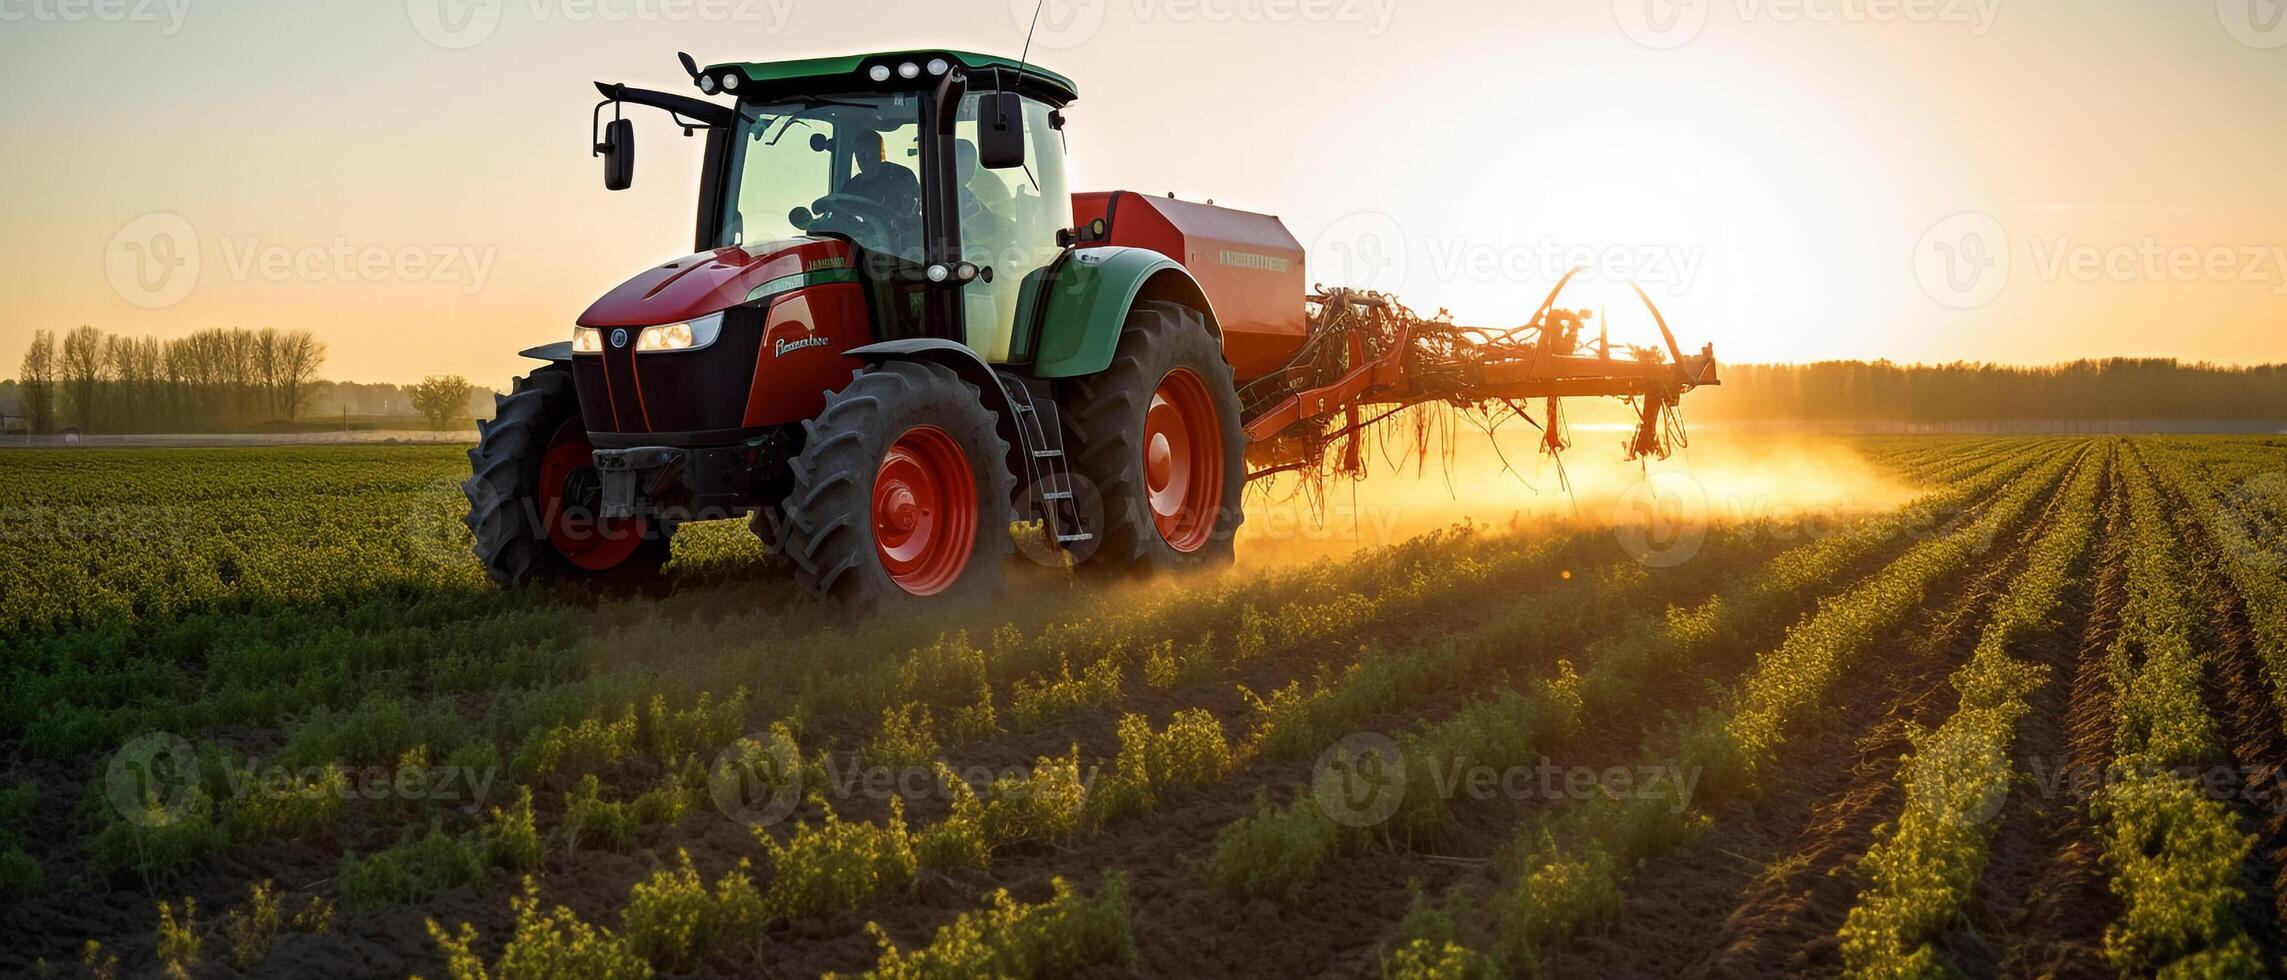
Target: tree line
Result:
[[208, 381], [2114, 390]]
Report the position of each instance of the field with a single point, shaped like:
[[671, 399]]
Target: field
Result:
[[2006, 706]]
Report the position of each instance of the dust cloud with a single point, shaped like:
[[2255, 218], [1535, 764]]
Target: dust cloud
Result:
[[1506, 485]]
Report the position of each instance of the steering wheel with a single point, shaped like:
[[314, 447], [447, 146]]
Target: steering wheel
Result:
[[871, 215]]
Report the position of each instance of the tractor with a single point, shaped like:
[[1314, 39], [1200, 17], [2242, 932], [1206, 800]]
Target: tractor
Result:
[[901, 334]]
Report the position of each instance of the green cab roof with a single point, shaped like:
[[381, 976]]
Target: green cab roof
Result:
[[778, 76]]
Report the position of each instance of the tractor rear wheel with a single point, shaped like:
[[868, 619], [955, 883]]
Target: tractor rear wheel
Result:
[[901, 491], [534, 495], [1157, 434]]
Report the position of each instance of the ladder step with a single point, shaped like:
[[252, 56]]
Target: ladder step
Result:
[[1057, 495], [1047, 454], [1074, 538]]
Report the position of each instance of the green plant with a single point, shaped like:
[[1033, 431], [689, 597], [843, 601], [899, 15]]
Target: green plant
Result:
[[253, 927], [1274, 853], [552, 945], [908, 738], [1060, 937], [411, 870], [178, 939], [675, 922], [512, 839], [835, 865]]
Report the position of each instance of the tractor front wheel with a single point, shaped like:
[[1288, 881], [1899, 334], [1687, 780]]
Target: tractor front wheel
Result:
[[534, 493], [901, 491], [1157, 434]]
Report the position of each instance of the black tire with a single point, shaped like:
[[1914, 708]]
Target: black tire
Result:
[[1104, 432], [828, 523], [503, 490]]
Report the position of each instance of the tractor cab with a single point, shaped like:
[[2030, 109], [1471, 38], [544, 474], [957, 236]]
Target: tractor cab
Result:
[[933, 179]]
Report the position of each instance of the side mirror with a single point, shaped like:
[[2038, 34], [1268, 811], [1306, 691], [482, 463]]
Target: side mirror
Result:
[[1000, 131], [618, 151]]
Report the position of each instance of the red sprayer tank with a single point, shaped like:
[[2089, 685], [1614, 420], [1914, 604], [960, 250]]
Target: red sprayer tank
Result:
[[1248, 263]]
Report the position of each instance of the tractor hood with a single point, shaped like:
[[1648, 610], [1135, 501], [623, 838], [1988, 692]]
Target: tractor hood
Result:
[[710, 282]]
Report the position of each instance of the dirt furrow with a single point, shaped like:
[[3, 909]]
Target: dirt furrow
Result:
[[2043, 904]]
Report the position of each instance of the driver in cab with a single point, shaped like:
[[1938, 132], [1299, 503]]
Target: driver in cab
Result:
[[892, 186]]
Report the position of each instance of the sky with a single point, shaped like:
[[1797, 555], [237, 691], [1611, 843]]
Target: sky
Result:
[[1917, 180]]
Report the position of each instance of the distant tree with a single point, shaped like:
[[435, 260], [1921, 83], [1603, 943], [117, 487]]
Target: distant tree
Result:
[[82, 373], [440, 400], [38, 383], [300, 354]]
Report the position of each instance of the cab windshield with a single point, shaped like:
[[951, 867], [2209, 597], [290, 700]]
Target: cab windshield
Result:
[[845, 165]]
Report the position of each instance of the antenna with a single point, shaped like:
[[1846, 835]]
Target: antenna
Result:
[[1025, 57]]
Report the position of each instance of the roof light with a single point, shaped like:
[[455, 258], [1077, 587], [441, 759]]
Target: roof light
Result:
[[880, 73], [938, 273], [909, 71], [937, 66], [707, 84], [730, 82]]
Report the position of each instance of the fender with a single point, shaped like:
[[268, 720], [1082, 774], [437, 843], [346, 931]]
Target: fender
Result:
[[1086, 302], [559, 352], [966, 363]]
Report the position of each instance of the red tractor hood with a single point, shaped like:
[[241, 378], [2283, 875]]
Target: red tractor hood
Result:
[[710, 282]]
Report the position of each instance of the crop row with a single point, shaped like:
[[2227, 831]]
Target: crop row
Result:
[[1567, 874], [1924, 868], [2177, 856], [1274, 852], [2238, 491]]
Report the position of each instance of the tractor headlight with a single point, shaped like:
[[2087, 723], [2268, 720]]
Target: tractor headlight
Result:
[[587, 340], [909, 71], [937, 66], [880, 73], [688, 335]]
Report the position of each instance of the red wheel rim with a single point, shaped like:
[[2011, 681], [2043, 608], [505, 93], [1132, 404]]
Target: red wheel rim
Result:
[[571, 493], [1183, 461], [924, 511]]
